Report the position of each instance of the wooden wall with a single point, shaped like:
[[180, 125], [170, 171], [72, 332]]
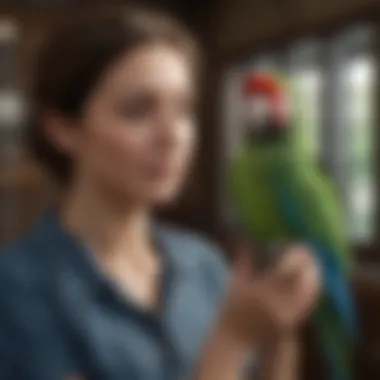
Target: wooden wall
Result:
[[241, 24], [25, 184]]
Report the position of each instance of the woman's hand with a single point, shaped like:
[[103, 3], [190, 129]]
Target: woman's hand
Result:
[[269, 306]]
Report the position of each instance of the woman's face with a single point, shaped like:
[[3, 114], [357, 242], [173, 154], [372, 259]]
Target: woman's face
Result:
[[137, 132]]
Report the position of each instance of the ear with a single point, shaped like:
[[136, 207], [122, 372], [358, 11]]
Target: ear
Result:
[[62, 131]]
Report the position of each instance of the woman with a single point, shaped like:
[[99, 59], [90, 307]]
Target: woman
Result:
[[97, 289]]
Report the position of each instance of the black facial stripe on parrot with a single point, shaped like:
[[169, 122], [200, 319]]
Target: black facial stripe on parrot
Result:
[[270, 133]]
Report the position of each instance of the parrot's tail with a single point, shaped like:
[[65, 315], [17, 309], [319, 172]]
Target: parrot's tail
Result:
[[336, 344]]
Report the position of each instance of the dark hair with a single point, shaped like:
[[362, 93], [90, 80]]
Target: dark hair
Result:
[[73, 58]]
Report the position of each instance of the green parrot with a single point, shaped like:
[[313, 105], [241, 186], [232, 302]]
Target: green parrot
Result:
[[280, 195]]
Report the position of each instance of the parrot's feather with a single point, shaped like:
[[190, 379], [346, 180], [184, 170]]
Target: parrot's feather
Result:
[[310, 208], [252, 197], [333, 342]]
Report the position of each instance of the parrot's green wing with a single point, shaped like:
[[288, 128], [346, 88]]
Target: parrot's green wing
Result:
[[311, 208], [253, 199]]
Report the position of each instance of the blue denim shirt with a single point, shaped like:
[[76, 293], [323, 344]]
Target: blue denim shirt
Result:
[[61, 316]]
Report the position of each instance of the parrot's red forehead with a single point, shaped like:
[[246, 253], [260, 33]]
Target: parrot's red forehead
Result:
[[261, 83]]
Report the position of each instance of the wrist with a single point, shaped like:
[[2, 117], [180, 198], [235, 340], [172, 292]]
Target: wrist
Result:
[[223, 347], [233, 338]]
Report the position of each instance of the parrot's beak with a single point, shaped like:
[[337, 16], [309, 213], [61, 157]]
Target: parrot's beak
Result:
[[260, 121]]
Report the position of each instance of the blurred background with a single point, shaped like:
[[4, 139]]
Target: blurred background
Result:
[[330, 51]]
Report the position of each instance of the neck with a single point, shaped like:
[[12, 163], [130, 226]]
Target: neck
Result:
[[111, 228]]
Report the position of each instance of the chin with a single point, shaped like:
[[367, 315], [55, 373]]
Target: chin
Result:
[[163, 199]]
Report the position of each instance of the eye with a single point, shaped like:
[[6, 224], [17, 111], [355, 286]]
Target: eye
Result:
[[137, 108]]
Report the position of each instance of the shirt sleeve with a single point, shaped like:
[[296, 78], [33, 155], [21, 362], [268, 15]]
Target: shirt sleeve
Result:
[[7, 367], [13, 290]]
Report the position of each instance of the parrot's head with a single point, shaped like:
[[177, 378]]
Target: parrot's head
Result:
[[266, 108]]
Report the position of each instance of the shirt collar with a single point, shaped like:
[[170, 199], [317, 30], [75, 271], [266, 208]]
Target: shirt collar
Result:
[[67, 251]]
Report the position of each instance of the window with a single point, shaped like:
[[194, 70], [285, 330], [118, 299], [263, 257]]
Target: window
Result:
[[306, 84], [360, 73], [348, 125], [332, 85]]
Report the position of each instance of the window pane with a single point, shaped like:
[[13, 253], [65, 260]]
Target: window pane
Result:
[[360, 74], [306, 86], [348, 125]]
